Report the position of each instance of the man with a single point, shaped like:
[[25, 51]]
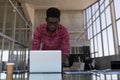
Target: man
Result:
[[52, 35]]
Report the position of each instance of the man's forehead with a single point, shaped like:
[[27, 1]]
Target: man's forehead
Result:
[[51, 19]]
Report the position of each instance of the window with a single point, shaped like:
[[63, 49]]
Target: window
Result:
[[101, 29], [118, 30], [110, 41], [96, 47], [108, 16], [100, 52], [105, 43], [117, 8], [103, 21]]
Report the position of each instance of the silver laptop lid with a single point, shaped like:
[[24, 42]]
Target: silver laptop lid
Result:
[[45, 61]]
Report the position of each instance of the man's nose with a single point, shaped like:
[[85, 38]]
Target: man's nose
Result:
[[52, 25]]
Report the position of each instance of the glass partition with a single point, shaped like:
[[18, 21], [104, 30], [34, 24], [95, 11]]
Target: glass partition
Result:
[[15, 36]]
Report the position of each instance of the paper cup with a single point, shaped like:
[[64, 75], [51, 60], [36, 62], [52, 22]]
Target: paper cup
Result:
[[10, 67]]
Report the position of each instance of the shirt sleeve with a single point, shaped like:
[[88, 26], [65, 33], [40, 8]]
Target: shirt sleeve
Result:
[[36, 40], [65, 44]]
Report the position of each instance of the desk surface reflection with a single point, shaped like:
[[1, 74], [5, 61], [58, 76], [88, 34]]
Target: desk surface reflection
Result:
[[78, 75]]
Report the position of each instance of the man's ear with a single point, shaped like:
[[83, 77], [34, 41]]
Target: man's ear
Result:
[[59, 19], [46, 19]]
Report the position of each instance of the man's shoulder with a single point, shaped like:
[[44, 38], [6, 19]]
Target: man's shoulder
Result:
[[62, 30], [62, 27]]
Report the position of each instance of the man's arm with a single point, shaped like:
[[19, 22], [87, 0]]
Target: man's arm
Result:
[[65, 45], [36, 40], [64, 57]]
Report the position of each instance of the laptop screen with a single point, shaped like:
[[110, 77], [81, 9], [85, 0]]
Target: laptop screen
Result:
[[45, 61]]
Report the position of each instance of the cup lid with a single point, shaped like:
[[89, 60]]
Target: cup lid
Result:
[[10, 63]]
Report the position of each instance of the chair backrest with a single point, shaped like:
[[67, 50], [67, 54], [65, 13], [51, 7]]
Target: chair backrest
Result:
[[115, 64]]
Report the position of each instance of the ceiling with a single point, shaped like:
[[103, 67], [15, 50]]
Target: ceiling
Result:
[[31, 5], [65, 4]]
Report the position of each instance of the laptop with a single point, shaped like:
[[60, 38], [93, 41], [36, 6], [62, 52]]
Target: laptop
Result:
[[45, 61]]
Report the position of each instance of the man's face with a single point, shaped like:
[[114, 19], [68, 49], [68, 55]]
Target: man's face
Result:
[[52, 23]]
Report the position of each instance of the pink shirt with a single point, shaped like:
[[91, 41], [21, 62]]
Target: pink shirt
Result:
[[58, 41]]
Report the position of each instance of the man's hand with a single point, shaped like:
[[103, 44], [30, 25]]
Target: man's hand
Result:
[[64, 57]]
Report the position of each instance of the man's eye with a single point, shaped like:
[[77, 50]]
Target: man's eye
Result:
[[53, 23]]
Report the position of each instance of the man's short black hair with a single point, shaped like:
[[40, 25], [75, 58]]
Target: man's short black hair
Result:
[[53, 12]]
